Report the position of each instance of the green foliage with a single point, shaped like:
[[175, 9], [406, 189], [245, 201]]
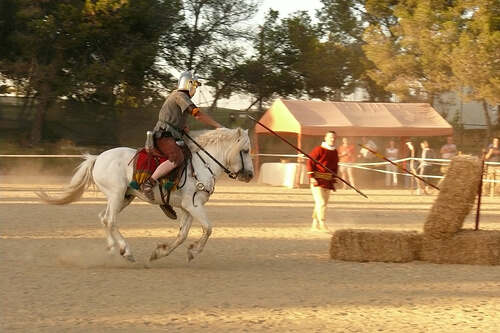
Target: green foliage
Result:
[[475, 59], [101, 50], [208, 40], [120, 52], [342, 23], [424, 48]]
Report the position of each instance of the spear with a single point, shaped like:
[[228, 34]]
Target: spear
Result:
[[399, 166], [311, 158]]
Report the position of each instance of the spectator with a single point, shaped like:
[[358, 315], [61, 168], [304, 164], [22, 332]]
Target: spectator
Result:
[[424, 166], [365, 156], [392, 154], [449, 149], [346, 157]]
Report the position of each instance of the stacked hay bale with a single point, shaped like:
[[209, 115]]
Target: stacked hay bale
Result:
[[472, 247], [456, 197], [443, 240], [374, 245]]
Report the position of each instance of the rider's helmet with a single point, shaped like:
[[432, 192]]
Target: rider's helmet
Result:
[[188, 81]]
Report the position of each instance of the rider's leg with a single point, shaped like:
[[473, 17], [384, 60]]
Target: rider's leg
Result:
[[162, 170], [170, 149]]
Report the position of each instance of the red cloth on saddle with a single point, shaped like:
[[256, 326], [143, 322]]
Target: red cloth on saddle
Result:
[[145, 164]]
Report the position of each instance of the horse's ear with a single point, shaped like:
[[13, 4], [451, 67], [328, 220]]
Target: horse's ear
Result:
[[242, 131]]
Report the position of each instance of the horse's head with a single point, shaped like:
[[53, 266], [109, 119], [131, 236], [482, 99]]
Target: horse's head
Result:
[[239, 158]]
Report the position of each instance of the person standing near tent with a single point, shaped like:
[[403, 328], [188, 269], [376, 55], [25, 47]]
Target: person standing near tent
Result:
[[493, 156], [424, 167], [365, 156], [392, 154], [493, 151], [346, 157], [448, 151], [322, 181]]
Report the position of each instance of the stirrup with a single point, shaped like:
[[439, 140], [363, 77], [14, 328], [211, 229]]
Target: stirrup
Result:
[[169, 211], [147, 188]]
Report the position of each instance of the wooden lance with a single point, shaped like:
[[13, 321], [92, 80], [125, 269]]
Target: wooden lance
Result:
[[311, 158], [400, 167]]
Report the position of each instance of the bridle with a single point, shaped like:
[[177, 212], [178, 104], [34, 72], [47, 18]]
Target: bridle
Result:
[[199, 185], [232, 175]]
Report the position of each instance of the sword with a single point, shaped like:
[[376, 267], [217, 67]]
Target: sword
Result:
[[400, 167], [311, 158]]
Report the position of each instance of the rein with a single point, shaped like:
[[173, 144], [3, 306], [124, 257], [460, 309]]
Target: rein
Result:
[[231, 175]]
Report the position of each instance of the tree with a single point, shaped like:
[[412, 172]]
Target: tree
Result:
[[291, 61], [210, 41], [342, 23], [404, 42], [101, 50], [270, 71], [432, 47], [476, 56]]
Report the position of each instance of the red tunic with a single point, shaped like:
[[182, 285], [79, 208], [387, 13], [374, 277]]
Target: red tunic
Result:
[[330, 159]]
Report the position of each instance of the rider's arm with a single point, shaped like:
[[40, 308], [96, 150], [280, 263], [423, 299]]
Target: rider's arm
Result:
[[195, 112]]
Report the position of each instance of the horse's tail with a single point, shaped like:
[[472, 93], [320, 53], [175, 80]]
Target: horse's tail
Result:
[[81, 180]]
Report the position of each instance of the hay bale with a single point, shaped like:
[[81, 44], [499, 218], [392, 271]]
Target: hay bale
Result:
[[456, 198], [374, 245], [473, 247]]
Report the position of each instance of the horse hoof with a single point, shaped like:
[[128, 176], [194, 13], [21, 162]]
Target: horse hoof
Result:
[[153, 257], [129, 257], [190, 256]]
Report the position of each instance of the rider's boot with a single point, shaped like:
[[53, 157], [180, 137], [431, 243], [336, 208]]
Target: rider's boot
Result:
[[169, 211], [147, 188]]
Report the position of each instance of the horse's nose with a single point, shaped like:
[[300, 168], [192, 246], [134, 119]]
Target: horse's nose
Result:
[[249, 176], [246, 176]]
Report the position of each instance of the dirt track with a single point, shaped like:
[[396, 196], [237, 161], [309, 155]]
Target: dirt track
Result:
[[262, 269]]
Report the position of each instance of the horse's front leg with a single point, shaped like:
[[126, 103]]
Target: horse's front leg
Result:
[[164, 249]]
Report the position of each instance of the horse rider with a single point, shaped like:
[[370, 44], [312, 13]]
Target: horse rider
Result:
[[170, 128]]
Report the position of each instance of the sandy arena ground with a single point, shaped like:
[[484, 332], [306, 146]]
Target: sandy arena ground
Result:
[[262, 270]]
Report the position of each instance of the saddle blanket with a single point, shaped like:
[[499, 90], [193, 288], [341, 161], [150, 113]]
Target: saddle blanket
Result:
[[144, 165]]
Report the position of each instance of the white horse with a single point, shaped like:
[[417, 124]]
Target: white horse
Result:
[[112, 172]]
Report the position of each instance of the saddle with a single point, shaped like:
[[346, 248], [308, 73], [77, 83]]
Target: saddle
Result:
[[145, 165]]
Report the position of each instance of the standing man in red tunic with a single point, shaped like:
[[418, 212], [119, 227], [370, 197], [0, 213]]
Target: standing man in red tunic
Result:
[[322, 181]]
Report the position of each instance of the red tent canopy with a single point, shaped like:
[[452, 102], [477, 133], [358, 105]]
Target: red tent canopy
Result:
[[354, 119]]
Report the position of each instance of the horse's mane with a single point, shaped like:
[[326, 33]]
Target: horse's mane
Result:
[[214, 137]]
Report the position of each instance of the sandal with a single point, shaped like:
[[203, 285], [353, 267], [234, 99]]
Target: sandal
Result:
[[147, 188]]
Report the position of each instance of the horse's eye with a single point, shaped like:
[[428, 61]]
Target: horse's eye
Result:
[[245, 151]]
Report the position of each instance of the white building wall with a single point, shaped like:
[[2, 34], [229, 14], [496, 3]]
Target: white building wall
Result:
[[469, 114]]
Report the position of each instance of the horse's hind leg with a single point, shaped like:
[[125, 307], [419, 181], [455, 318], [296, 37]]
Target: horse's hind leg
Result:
[[108, 218], [110, 239], [163, 250]]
